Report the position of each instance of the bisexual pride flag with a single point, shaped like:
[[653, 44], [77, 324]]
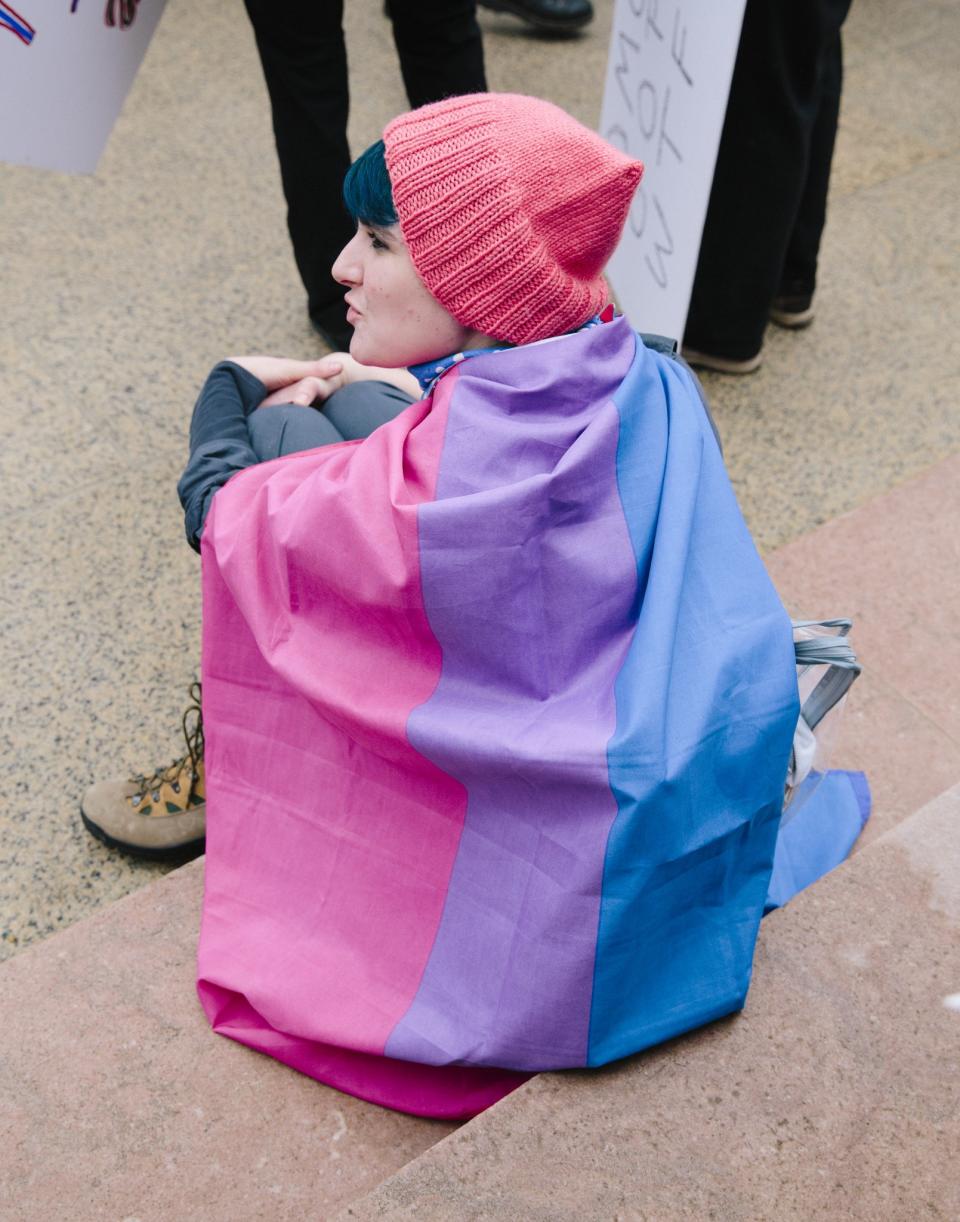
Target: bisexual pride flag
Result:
[[498, 705]]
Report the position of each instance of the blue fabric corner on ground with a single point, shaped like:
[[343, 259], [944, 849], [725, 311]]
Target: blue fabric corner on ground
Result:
[[820, 835]]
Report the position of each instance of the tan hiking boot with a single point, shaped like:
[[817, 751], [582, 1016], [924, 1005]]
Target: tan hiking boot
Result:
[[159, 816]]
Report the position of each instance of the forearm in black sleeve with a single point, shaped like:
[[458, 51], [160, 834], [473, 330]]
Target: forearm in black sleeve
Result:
[[219, 441]]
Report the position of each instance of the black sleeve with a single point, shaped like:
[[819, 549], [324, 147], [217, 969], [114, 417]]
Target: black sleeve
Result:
[[219, 441]]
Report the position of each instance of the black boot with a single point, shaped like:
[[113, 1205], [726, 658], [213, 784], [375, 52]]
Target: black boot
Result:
[[551, 16]]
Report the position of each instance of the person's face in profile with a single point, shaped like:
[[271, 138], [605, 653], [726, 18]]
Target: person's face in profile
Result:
[[396, 322]]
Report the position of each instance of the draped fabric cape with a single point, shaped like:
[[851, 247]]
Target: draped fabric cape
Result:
[[498, 705]]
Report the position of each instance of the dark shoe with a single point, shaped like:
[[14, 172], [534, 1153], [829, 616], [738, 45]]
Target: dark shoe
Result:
[[793, 306], [722, 364], [161, 816], [330, 323], [792, 309], [552, 16]]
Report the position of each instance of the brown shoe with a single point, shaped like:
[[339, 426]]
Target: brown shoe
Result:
[[161, 816]]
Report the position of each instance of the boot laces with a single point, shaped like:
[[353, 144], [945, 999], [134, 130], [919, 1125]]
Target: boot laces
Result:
[[192, 726]]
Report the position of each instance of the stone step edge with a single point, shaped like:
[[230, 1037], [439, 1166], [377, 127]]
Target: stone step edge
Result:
[[503, 1113]]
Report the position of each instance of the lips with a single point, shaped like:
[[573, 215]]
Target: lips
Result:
[[352, 312]]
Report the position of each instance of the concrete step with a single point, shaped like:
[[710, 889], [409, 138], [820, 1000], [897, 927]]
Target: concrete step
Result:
[[836, 1094], [117, 1101], [893, 566]]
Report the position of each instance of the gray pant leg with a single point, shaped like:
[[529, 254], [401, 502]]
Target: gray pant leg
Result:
[[275, 431], [347, 415], [361, 407]]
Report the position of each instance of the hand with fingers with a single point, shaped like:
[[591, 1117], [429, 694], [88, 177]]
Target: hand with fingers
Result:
[[305, 393], [290, 381], [298, 382]]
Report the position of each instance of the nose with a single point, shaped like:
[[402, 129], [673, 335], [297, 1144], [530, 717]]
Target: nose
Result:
[[347, 267]]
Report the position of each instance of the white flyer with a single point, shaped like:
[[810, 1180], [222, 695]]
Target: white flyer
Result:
[[65, 68], [668, 77]]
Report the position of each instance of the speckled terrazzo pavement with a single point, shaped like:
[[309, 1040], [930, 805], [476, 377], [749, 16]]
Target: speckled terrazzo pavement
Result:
[[119, 291]]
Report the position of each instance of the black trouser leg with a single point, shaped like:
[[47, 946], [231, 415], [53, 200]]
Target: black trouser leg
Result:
[[440, 48], [799, 274], [762, 170], [305, 66]]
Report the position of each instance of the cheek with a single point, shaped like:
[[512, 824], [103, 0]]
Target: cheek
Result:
[[438, 329], [400, 310], [407, 325]]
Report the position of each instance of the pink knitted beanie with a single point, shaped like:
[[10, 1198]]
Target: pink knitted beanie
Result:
[[510, 209]]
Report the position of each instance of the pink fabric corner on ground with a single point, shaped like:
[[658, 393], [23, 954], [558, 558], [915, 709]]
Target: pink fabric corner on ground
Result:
[[443, 1093], [305, 692]]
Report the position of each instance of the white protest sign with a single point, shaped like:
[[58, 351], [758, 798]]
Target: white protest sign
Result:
[[668, 78], [65, 69]]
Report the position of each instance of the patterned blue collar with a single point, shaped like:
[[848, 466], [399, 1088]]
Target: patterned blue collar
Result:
[[431, 372]]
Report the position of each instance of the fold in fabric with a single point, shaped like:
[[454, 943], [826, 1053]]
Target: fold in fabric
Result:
[[831, 817], [498, 705]]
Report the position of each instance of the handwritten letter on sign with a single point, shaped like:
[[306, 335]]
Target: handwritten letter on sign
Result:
[[668, 77]]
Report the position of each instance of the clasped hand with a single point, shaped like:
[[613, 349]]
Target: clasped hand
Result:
[[304, 383]]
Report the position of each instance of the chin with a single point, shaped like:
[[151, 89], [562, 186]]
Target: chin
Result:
[[383, 357], [364, 352], [393, 351]]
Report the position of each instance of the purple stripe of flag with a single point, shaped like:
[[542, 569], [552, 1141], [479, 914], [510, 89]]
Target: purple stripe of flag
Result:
[[529, 582]]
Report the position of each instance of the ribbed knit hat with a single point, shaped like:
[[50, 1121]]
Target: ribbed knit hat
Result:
[[510, 210]]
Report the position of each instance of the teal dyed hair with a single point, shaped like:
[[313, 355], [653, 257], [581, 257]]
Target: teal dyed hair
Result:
[[367, 191]]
